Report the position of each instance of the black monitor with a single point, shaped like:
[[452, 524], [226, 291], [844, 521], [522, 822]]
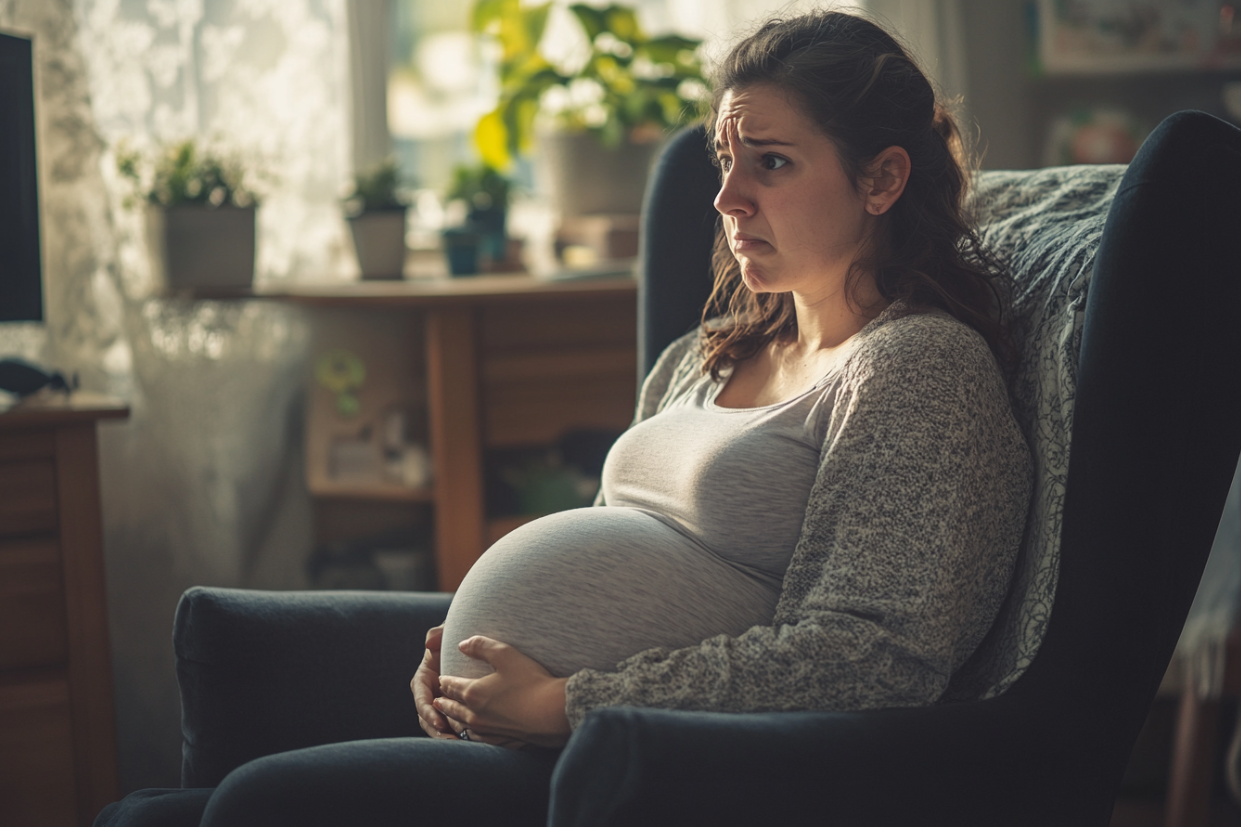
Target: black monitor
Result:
[[21, 280]]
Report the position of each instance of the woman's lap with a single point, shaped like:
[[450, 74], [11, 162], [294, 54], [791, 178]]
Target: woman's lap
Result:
[[390, 781]]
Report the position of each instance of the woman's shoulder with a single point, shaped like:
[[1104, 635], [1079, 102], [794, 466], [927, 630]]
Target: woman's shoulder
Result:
[[904, 339]]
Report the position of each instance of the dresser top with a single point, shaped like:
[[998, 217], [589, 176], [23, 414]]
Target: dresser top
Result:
[[54, 407]]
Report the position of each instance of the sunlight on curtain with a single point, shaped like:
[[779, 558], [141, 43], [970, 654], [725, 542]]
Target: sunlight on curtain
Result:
[[204, 483], [266, 79]]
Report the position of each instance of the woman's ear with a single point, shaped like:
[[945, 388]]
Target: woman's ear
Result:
[[887, 175]]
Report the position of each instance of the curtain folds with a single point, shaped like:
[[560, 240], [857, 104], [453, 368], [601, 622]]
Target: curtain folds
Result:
[[204, 483]]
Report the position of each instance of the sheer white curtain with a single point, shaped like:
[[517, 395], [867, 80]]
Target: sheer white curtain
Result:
[[204, 483]]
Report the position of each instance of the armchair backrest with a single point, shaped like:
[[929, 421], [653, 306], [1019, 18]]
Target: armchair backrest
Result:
[[1155, 438]]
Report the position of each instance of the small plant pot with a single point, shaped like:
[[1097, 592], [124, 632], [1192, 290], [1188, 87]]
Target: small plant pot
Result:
[[490, 224], [379, 239], [197, 248], [462, 247]]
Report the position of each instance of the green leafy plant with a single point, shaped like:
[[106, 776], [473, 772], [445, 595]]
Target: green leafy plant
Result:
[[186, 173], [631, 86], [481, 186], [376, 188]]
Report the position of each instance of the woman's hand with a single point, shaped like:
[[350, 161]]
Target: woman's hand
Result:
[[426, 687], [520, 701]]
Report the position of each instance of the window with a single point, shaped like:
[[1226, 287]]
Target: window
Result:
[[442, 80]]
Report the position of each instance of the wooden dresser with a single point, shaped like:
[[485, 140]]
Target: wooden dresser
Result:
[[57, 733]]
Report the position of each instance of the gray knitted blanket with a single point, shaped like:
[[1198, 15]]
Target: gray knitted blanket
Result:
[[1046, 225]]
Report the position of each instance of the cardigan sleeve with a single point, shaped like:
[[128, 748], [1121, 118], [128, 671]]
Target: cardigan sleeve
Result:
[[906, 551]]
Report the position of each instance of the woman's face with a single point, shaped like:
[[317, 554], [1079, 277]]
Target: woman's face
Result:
[[794, 221]]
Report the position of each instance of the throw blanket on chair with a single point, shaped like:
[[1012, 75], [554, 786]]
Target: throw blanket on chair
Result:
[[1045, 225]]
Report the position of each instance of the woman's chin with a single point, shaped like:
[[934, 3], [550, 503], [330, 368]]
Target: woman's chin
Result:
[[754, 280]]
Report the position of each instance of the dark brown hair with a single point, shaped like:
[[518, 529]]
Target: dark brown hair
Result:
[[863, 90]]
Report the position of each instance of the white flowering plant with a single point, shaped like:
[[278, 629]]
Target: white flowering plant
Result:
[[630, 86], [184, 172]]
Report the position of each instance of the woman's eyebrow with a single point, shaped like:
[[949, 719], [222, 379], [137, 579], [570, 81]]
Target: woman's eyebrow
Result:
[[753, 142]]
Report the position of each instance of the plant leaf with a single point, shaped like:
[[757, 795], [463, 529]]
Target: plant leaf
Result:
[[534, 19], [488, 13], [668, 49], [492, 139], [622, 21], [591, 19]]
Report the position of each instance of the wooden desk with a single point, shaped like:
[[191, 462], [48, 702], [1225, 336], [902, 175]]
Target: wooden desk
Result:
[[510, 361], [57, 732]]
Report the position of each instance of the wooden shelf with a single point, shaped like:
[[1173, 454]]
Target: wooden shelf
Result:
[[496, 361], [387, 491], [472, 290]]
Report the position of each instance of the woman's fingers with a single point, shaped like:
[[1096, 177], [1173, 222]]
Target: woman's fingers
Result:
[[425, 686], [454, 689], [435, 638], [486, 649], [458, 714]]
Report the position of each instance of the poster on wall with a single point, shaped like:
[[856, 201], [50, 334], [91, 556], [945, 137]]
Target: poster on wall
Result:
[[1120, 36]]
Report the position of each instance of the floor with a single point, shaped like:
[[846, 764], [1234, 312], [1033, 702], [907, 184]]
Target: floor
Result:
[[1141, 803], [1149, 813]]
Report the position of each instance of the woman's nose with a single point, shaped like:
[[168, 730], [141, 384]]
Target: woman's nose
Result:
[[732, 199]]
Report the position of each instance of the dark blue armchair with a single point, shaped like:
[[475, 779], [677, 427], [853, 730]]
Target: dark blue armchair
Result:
[[1154, 436]]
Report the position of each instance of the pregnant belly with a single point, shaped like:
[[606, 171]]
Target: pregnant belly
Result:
[[585, 589]]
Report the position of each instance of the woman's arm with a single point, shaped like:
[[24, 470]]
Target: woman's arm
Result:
[[909, 541]]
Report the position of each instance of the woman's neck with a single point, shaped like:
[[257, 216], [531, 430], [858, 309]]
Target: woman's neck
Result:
[[827, 322]]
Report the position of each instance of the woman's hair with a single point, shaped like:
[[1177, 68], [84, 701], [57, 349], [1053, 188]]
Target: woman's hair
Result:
[[863, 90]]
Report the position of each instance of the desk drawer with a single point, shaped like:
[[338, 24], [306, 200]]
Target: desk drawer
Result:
[[33, 629], [27, 497], [37, 781]]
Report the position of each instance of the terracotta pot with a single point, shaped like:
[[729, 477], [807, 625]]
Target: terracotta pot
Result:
[[379, 240], [202, 248]]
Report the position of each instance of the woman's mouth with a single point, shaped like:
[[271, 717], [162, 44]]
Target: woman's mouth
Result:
[[743, 242]]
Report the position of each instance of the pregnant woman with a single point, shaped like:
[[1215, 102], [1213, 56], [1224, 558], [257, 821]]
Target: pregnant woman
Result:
[[820, 503]]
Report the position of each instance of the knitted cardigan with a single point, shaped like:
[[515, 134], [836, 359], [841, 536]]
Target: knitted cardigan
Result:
[[906, 551]]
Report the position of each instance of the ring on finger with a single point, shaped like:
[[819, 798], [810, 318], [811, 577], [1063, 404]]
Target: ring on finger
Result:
[[464, 735]]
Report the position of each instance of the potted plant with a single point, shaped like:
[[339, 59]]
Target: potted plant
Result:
[[486, 195], [200, 216], [376, 213], [630, 91]]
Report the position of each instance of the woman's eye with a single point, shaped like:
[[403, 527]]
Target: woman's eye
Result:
[[773, 162], [724, 162]]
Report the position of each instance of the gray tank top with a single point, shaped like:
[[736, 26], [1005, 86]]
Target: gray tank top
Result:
[[704, 506]]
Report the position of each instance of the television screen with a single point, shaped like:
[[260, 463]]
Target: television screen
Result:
[[21, 281]]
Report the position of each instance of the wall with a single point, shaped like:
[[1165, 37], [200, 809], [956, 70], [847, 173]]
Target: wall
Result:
[[1013, 109]]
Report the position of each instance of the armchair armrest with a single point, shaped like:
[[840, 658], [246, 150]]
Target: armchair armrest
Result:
[[969, 765], [265, 672]]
